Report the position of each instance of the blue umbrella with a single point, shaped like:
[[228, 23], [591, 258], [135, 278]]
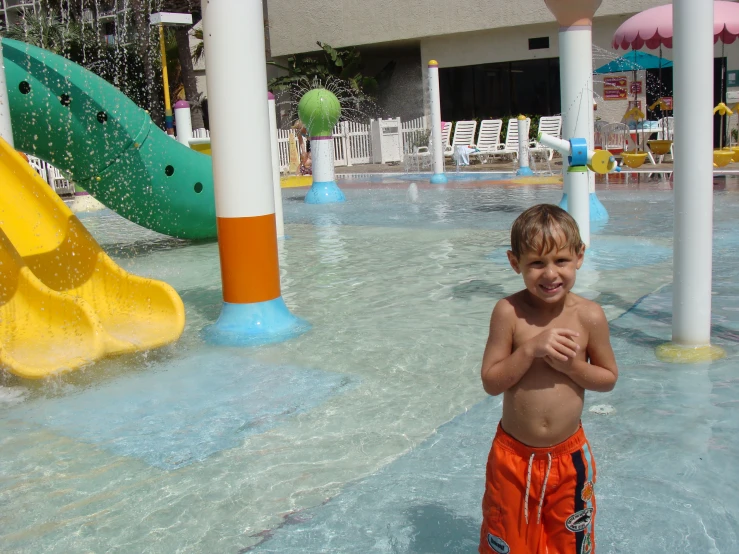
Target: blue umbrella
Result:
[[636, 60]]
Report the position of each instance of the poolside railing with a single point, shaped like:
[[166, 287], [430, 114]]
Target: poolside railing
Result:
[[415, 133], [353, 144]]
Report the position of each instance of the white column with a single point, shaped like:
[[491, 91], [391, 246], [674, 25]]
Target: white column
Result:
[[253, 310], [235, 61], [183, 122], [578, 200], [279, 218], [693, 239], [322, 155], [576, 82], [6, 129], [523, 147], [435, 105]]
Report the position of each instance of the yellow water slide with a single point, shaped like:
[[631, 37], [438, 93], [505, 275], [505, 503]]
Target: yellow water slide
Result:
[[63, 302]]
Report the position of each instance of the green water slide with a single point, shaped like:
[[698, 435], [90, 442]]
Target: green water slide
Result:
[[80, 123]]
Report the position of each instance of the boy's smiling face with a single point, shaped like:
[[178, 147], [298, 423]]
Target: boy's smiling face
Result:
[[548, 276]]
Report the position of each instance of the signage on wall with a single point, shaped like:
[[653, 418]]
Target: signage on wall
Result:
[[635, 87], [732, 78], [668, 102], [635, 104], [614, 94], [619, 82]]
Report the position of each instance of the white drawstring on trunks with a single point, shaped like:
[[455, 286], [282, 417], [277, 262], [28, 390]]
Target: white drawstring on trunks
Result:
[[543, 489]]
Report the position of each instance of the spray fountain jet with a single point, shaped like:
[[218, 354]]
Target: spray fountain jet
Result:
[[319, 110], [580, 158]]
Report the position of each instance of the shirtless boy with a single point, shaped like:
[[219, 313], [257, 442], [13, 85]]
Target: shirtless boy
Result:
[[546, 347]]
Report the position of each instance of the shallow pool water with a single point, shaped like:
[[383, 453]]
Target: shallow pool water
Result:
[[370, 432]]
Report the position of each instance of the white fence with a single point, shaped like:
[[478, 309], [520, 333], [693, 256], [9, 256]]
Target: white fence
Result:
[[51, 175], [352, 144], [415, 133]]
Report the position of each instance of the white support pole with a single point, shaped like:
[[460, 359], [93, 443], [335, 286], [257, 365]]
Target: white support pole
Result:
[[693, 174], [279, 219], [438, 178], [6, 129], [253, 310], [576, 78], [579, 201], [183, 122], [322, 152], [523, 148]]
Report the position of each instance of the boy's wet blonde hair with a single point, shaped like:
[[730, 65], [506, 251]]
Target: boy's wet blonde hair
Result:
[[543, 228]]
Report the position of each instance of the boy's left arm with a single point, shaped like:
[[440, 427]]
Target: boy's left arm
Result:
[[598, 372]]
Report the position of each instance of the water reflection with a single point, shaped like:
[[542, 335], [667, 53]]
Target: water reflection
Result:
[[331, 243]]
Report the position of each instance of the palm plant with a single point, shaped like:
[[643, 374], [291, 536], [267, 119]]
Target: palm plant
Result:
[[46, 30], [184, 56], [329, 67]]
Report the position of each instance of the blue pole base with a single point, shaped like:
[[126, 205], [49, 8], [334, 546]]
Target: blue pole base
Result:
[[524, 172], [439, 179], [327, 192], [598, 211], [254, 324]]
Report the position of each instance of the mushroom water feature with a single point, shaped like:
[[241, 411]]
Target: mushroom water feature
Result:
[[319, 110]]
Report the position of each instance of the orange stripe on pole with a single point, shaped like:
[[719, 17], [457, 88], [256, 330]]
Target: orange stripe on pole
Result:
[[249, 267]]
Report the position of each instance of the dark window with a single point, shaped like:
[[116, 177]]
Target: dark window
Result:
[[538, 43], [500, 89], [720, 123]]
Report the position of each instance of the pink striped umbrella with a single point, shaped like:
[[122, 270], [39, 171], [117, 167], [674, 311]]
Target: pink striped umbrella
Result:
[[653, 27]]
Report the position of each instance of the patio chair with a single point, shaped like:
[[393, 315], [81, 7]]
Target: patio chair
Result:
[[615, 138], [446, 133], [464, 135], [550, 125], [421, 157], [669, 123], [510, 148], [58, 182], [488, 139], [598, 138], [40, 167]]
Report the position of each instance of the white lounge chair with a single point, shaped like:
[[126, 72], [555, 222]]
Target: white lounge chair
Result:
[[550, 125], [58, 182], [464, 135], [510, 147], [40, 167], [488, 139], [446, 133]]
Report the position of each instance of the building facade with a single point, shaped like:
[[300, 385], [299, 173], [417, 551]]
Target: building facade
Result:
[[496, 57], [12, 10]]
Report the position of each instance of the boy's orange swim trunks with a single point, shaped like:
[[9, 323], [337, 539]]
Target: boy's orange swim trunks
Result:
[[539, 500]]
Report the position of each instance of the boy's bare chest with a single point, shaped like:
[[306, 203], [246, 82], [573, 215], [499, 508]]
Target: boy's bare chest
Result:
[[530, 326]]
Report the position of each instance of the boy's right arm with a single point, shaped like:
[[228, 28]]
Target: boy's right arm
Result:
[[501, 367]]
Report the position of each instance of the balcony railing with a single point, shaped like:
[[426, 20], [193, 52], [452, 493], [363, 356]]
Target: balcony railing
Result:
[[17, 4]]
